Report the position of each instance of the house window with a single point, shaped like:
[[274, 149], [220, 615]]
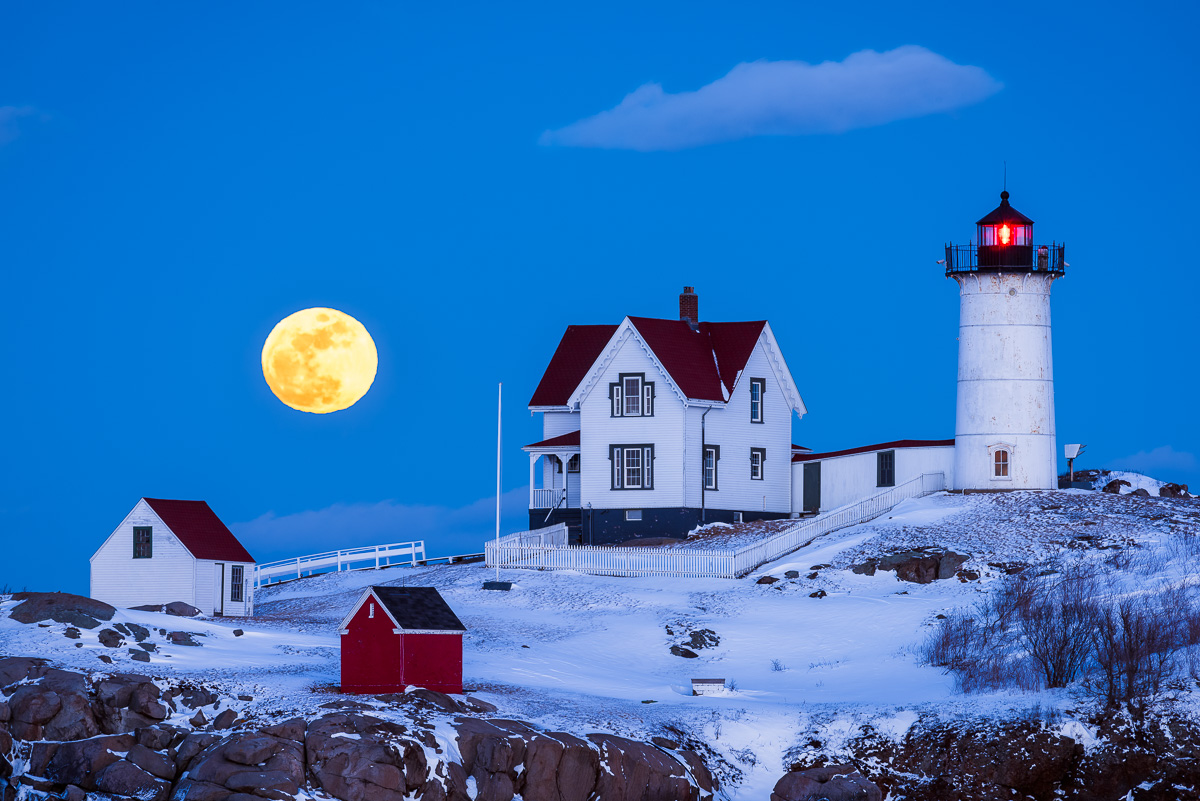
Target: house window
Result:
[[632, 396], [632, 466], [885, 469], [633, 514], [573, 464], [758, 388], [236, 581], [712, 455], [143, 542], [1001, 459], [758, 458]]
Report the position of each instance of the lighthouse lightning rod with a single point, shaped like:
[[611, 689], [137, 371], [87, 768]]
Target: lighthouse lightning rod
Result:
[[499, 464]]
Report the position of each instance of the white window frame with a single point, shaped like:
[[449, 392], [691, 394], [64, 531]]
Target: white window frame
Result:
[[631, 395], [710, 468], [761, 385], [622, 478], [760, 464], [1010, 451]]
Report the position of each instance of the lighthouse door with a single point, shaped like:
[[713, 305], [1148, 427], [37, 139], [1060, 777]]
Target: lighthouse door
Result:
[[812, 487]]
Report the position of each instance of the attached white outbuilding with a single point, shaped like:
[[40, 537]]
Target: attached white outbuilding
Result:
[[169, 550]]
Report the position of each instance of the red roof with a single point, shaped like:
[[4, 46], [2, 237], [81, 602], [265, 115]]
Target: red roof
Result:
[[883, 446], [698, 361], [200, 530], [577, 352], [561, 441]]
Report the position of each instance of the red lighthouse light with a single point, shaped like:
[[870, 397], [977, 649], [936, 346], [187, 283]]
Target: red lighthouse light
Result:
[[1004, 234]]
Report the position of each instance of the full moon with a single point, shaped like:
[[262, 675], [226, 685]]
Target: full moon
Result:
[[319, 360]]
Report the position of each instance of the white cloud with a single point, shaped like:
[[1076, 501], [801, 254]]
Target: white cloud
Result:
[[1163, 463], [784, 98], [8, 121], [447, 531]]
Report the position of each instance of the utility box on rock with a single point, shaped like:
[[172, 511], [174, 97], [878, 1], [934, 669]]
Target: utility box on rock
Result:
[[400, 636]]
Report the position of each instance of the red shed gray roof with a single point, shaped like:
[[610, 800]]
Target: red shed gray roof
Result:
[[200, 530], [420, 608], [700, 361]]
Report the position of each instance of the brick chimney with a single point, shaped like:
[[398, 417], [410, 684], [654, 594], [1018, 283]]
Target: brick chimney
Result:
[[689, 306]]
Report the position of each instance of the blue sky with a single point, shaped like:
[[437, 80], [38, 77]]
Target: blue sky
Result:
[[468, 179]]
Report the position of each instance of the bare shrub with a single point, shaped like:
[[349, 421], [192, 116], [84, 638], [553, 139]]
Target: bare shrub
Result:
[[1056, 623], [1135, 648], [778, 666]]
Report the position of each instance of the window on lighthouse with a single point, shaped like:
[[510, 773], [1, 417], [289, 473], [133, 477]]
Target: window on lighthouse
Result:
[[1001, 464]]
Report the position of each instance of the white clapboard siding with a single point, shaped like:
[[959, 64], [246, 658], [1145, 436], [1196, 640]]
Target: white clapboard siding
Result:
[[119, 579], [555, 424], [664, 430], [730, 428], [847, 479], [206, 584]]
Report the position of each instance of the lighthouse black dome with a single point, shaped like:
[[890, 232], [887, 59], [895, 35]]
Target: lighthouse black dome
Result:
[[1004, 213]]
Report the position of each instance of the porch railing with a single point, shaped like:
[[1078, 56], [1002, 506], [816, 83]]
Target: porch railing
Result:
[[546, 549], [547, 498], [1024, 258]]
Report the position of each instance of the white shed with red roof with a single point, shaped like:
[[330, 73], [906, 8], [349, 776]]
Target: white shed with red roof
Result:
[[170, 550]]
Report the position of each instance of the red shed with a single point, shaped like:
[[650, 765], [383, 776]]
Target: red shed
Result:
[[397, 636]]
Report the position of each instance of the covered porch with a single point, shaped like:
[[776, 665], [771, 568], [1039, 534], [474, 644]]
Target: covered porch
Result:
[[554, 475]]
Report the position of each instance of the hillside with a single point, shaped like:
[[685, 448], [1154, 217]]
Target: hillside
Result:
[[810, 661]]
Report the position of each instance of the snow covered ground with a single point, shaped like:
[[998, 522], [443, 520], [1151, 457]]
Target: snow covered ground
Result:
[[589, 653]]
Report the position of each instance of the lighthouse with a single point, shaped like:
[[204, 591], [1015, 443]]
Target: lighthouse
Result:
[[1004, 423]]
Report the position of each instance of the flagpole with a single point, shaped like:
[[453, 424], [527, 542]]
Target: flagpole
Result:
[[499, 464]]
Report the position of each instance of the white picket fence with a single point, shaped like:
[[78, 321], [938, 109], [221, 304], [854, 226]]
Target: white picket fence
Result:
[[372, 556], [535, 550]]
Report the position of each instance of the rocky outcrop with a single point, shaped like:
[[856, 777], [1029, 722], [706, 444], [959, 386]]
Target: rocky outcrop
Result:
[[1115, 485], [986, 760], [61, 607], [110, 738], [177, 608], [1170, 490], [920, 566], [831, 783]]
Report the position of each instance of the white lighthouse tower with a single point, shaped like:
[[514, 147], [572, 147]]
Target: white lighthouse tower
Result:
[[1004, 428]]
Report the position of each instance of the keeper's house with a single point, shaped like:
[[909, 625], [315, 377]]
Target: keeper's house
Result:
[[168, 550], [397, 636], [652, 427]]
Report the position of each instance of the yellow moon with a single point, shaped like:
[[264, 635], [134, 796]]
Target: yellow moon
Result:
[[319, 360]]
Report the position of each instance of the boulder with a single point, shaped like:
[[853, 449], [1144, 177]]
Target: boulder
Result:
[[1170, 490], [818, 594], [152, 762], [686, 653], [111, 638], [919, 567], [631, 771], [1141, 492], [766, 580], [181, 638], [792, 574], [17, 668], [375, 761], [439, 701], [225, 719], [1115, 485], [61, 607], [180, 609], [80, 762], [831, 783], [127, 779]]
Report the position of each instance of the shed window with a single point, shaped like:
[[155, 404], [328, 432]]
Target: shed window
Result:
[[758, 388], [885, 469], [758, 457], [143, 542], [1001, 464], [236, 582], [633, 514]]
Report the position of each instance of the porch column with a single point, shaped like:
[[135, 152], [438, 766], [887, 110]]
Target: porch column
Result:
[[533, 457], [565, 460]]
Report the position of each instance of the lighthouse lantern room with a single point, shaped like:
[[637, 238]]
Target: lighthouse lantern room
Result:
[[1004, 434]]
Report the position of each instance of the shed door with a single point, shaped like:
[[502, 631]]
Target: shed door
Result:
[[812, 487], [219, 587]]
